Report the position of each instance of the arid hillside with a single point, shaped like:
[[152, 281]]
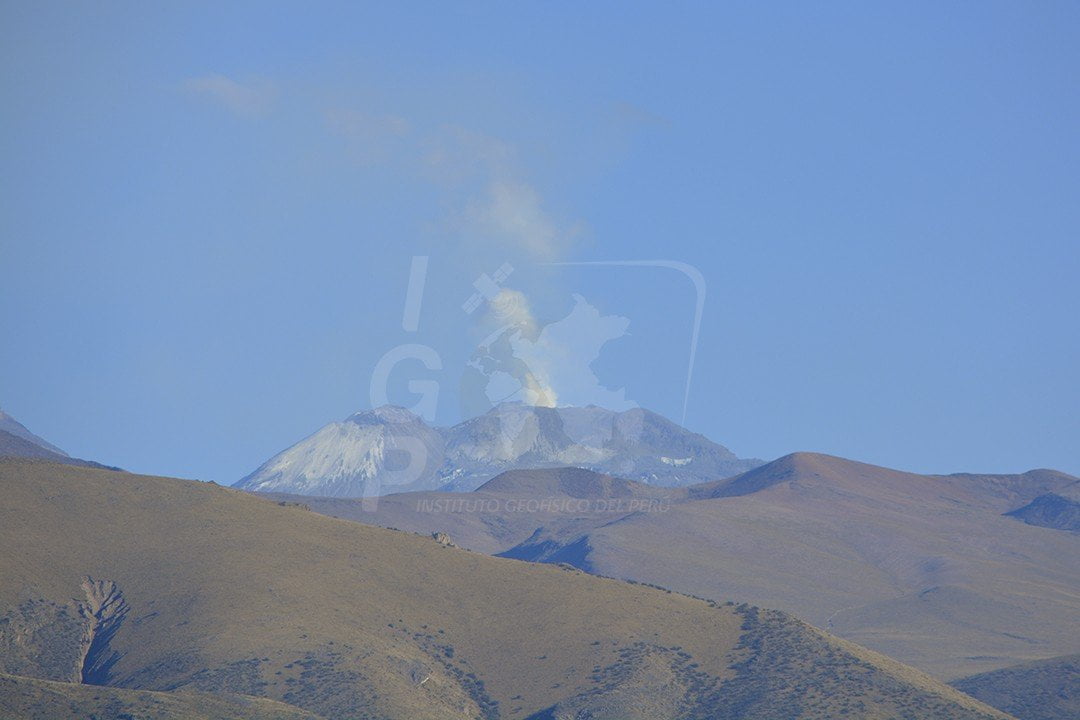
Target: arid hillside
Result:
[[157, 584], [928, 569]]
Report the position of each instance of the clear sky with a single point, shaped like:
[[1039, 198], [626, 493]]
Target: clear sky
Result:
[[208, 217]]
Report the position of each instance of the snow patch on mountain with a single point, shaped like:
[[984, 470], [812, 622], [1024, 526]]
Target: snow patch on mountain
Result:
[[337, 451], [392, 450], [676, 462], [369, 453]]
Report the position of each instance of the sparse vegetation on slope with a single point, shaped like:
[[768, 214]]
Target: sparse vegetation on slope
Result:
[[228, 592], [922, 568]]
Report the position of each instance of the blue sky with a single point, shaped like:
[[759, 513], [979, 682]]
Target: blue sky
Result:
[[209, 215]]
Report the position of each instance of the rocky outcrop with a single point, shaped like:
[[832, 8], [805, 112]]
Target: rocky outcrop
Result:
[[443, 539]]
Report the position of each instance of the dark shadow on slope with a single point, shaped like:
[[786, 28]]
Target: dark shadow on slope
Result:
[[550, 551], [1050, 511]]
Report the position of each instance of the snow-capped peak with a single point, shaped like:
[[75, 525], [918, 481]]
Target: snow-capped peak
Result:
[[386, 414]]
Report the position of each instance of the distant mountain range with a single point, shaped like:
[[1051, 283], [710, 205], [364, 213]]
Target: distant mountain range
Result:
[[17, 441], [390, 449], [12, 427], [925, 568]]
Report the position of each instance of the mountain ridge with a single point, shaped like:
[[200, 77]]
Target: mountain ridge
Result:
[[17, 441], [11, 425], [351, 458]]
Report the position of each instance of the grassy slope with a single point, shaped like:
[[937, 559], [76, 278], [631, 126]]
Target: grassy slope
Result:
[[230, 592], [34, 699], [1040, 690], [923, 568]]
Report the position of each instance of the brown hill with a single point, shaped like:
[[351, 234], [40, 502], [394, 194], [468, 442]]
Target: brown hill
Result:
[[156, 584], [923, 568]]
